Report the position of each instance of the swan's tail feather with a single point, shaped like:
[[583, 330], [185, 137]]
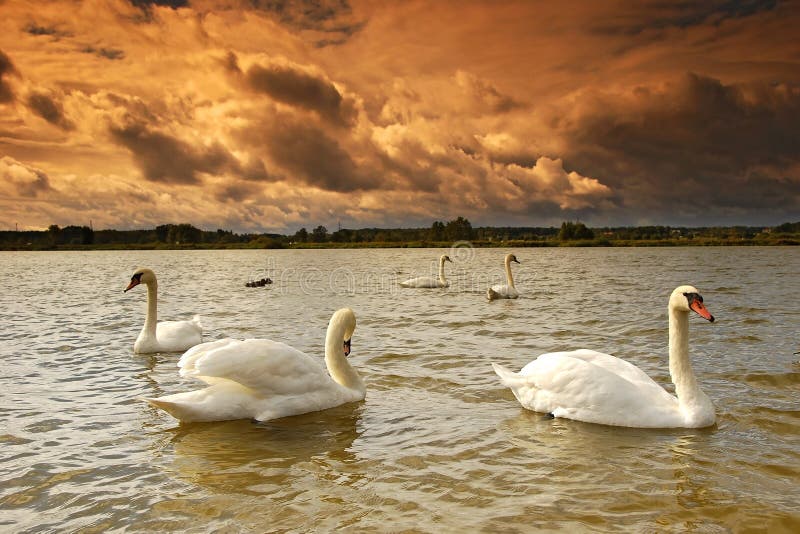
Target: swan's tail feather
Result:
[[508, 377], [196, 320], [521, 386], [175, 409], [184, 410], [491, 294]]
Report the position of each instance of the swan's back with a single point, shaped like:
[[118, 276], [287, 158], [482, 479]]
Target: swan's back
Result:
[[253, 378], [594, 387], [424, 281], [267, 367], [501, 291], [177, 336]]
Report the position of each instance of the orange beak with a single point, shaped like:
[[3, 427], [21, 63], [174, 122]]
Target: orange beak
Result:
[[134, 282], [701, 310]]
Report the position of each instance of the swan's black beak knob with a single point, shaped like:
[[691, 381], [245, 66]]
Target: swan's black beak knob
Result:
[[347, 347]]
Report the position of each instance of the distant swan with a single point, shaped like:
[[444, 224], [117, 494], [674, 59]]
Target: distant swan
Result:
[[429, 281], [597, 388], [166, 336], [504, 291], [264, 379]]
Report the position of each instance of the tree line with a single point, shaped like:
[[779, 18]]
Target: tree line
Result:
[[439, 233]]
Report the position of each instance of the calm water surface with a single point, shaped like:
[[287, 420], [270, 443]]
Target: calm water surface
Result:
[[438, 445]]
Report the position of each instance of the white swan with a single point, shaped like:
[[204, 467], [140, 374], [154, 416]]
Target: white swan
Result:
[[504, 291], [263, 379], [429, 281], [597, 388], [166, 336]]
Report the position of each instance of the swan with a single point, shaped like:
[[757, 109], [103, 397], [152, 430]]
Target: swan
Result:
[[504, 291], [166, 336], [263, 379], [429, 281], [598, 388]]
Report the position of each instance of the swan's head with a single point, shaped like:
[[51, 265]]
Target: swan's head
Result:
[[141, 276], [513, 258], [688, 298], [445, 258], [346, 320]]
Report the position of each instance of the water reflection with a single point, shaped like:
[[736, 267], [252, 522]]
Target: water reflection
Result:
[[251, 457]]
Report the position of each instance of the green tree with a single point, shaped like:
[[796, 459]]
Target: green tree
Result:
[[319, 234], [301, 236], [54, 234], [458, 229], [437, 231], [574, 231]]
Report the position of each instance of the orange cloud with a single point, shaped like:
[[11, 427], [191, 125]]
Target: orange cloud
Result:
[[271, 116]]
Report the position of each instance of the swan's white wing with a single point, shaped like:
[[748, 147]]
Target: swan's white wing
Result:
[[578, 388], [615, 365], [501, 291], [267, 367], [179, 335]]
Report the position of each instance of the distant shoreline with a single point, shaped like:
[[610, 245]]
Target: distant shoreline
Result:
[[457, 232], [781, 242]]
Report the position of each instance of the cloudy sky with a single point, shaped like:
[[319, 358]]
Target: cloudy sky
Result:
[[271, 115]]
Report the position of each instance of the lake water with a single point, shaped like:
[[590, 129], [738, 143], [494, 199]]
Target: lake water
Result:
[[438, 445]]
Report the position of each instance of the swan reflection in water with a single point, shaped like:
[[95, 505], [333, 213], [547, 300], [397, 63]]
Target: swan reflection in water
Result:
[[628, 469], [250, 457]]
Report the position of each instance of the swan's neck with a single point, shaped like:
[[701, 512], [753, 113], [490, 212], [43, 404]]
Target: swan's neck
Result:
[[151, 318], [339, 368], [680, 368], [442, 279], [509, 276]]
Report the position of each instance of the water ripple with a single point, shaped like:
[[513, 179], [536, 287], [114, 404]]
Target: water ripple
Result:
[[439, 445]]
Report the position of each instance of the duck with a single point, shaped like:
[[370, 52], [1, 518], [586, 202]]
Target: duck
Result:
[[430, 281], [262, 379], [594, 387], [507, 290], [164, 336]]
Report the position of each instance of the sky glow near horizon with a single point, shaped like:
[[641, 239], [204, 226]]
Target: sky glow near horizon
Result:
[[274, 115]]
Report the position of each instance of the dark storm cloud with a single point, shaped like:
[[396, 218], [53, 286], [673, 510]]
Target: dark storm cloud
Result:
[[51, 31], [24, 180], [486, 96], [332, 18], [237, 192], [174, 4], [40, 184], [299, 89], [166, 159], [697, 145], [49, 109], [318, 158], [640, 18], [107, 53], [231, 64], [6, 69]]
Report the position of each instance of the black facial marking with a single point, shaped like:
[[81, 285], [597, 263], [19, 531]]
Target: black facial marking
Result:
[[691, 297], [137, 277]]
